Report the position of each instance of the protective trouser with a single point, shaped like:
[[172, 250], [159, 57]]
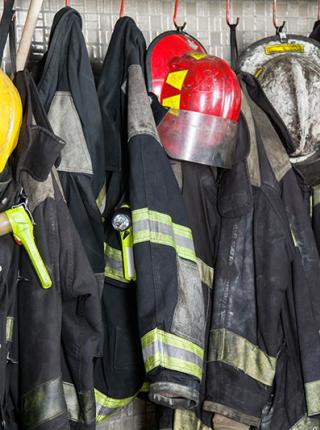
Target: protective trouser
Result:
[[67, 90], [60, 326]]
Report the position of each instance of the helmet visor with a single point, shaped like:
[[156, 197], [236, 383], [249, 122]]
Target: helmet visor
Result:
[[199, 138]]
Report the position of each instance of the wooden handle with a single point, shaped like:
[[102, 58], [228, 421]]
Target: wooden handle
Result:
[[28, 30]]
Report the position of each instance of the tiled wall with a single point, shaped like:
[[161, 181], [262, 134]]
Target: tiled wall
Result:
[[205, 20]]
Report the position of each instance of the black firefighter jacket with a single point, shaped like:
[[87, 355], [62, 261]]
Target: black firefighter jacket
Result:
[[264, 342], [155, 326], [67, 90], [59, 327], [9, 260]]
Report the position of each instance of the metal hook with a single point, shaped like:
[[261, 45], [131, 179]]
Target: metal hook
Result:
[[67, 3], [318, 10], [175, 12], [228, 15], [278, 28], [121, 9]]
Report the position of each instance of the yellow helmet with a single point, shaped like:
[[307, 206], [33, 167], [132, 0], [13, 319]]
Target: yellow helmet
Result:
[[10, 118]]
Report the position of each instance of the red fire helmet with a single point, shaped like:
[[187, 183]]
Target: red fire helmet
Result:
[[162, 49], [204, 97]]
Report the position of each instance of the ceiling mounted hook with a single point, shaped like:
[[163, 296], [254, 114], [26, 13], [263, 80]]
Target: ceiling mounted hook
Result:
[[278, 28], [175, 12], [121, 9], [228, 15]]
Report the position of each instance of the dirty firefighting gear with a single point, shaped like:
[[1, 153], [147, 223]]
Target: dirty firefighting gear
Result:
[[67, 90], [204, 96], [265, 315], [161, 50], [167, 294], [289, 73], [58, 327]]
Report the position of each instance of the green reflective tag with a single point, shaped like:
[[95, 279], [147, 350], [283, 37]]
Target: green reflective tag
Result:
[[22, 229]]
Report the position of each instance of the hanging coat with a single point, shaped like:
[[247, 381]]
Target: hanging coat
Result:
[[59, 327], [265, 320], [167, 296], [67, 90]]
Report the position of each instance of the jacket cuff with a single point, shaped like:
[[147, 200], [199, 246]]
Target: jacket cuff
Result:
[[231, 413], [173, 395]]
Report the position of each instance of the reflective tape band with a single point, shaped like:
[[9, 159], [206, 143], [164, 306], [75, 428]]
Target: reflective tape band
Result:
[[312, 390], [315, 195], [145, 387], [43, 403], [206, 273], [108, 406], [307, 423], [155, 227], [9, 329], [172, 352], [236, 351], [114, 264], [81, 405], [101, 199], [184, 419]]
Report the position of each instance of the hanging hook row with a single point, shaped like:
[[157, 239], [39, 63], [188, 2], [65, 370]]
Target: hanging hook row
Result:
[[175, 13], [228, 15], [278, 28]]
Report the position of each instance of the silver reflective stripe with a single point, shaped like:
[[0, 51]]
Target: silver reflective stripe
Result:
[[114, 264], [81, 406], [9, 329], [43, 403], [161, 228], [172, 351]]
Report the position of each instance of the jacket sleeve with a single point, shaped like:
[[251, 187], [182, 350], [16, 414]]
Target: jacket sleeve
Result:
[[306, 275], [170, 301]]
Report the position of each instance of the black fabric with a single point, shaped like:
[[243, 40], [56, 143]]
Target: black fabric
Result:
[[59, 328], [66, 67], [5, 23], [315, 34], [233, 46]]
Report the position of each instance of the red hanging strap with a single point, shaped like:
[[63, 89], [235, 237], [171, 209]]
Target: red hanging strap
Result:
[[67, 3], [121, 9], [228, 15], [174, 18]]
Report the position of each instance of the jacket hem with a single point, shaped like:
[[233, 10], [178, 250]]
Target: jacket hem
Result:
[[231, 413], [173, 395]]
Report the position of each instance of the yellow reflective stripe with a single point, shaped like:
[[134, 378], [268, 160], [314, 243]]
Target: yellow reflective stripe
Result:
[[184, 420], [114, 264], [156, 231], [315, 195], [284, 47], [147, 214], [145, 387], [172, 363], [236, 351], [172, 102], [157, 335], [163, 239], [107, 406], [176, 79], [101, 199], [113, 253], [312, 390], [206, 273]]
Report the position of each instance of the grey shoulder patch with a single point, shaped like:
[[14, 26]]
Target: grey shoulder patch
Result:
[[36, 191], [253, 157], [277, 155], [66, 124], [140, 116]]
